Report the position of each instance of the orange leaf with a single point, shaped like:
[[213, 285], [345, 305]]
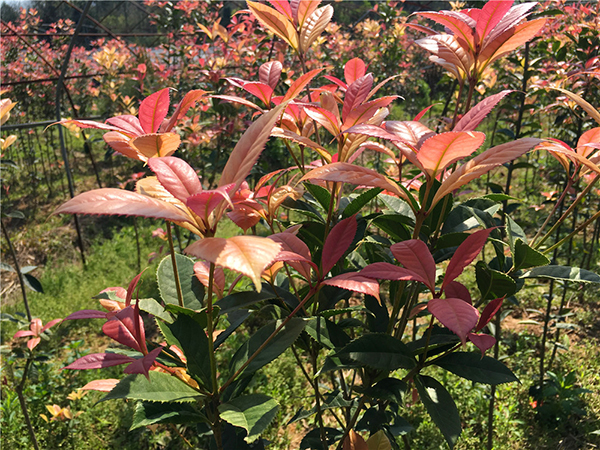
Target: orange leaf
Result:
[[302, 9], [449, 49], [249, 147], [249, 255], [354, 442], [482, 164], [314, 26], [441, 150], [276, 22], [354, 69], [122, 144], [297, 86], [156, 144]]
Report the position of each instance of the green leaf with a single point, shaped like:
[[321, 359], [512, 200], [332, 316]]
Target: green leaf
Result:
[[303, 208], [320, 194], [395, 225], [566, 273], [6, 267], [151, 306], [192, 340], [147, 413], [161, 387], [191, 288], [390, 389], [326, 333], [28, 269], [525, 257], [499, 197], [399, 206], [16, 215], [473, 367], [32, 283], [514, 232], [239, 300], [440, 406], [355, 205], [272, 350], [379, 351], [253, 413], [471, 214], [492, 283]]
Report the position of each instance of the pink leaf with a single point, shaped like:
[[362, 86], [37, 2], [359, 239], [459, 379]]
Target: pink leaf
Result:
[[131, 288], [337, 242], [153, 110], [366, 111], [355, 282], [511, 40], [119, 202], [387, 271], [269, 73], [143, 365], [471, 120], [99, 361], [488, 312], [176, 176], [455, 314], [123, 329], [410, 132], [482, 341], [106, 385], [415, 256], [86, 314], [32, 343], [454, 289], [458, 23], [515, 15], [465, 254], [292, 243], [249, 147], [441, 150], [325, 118], [240, 100], [205, 202], [121, 144], [356, 94], [354, 69], [127, 124], [23, 333], [343, 86], [422, 113], [491, 14]]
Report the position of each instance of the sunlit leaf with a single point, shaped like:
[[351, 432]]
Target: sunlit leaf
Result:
[[275, 21], [153, 110], [337, 242], [190, 99], [160, 387], [354, 69], [252, 412], [314, 25], [416, 257], [356, 93], [249, 255], [441, 150], [297, 86], [472, 118], [355, 282], [176, 176], [160, 144], [269, 73], [354, 441], [491, 14]]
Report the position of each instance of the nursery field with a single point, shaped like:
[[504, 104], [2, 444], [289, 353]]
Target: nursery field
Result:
[[300, 224]]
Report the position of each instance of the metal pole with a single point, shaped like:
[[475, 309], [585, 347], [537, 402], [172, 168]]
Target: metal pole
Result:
[[63, 148]]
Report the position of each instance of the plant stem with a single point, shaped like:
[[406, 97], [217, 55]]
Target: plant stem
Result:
[[577, 230], [18, 270], [352, 422], [19, 388], [174, 263]]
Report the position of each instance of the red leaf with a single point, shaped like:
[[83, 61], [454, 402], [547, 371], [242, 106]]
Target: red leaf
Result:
[[366, 111], [240, 100], [106, 385], [131, 288], [269, 73], [455, 314], [356, 94], [387, 271], [354, 69], [488, 312], [471, 120], [422, 113], [482, 341], [355, 282], [515, 15], [337, 81], [454, 289], [99, 361], [314, 25], [190, 99], [491, 14], [409, 132], [123, 329], [325, 118], [441, 150], [337, 242], [511, 40], [153, 110], [465, 254], [119, 202], [263, 91], [415, 256], [205, 202], [143, 365], [297, 86], [460, 24]]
